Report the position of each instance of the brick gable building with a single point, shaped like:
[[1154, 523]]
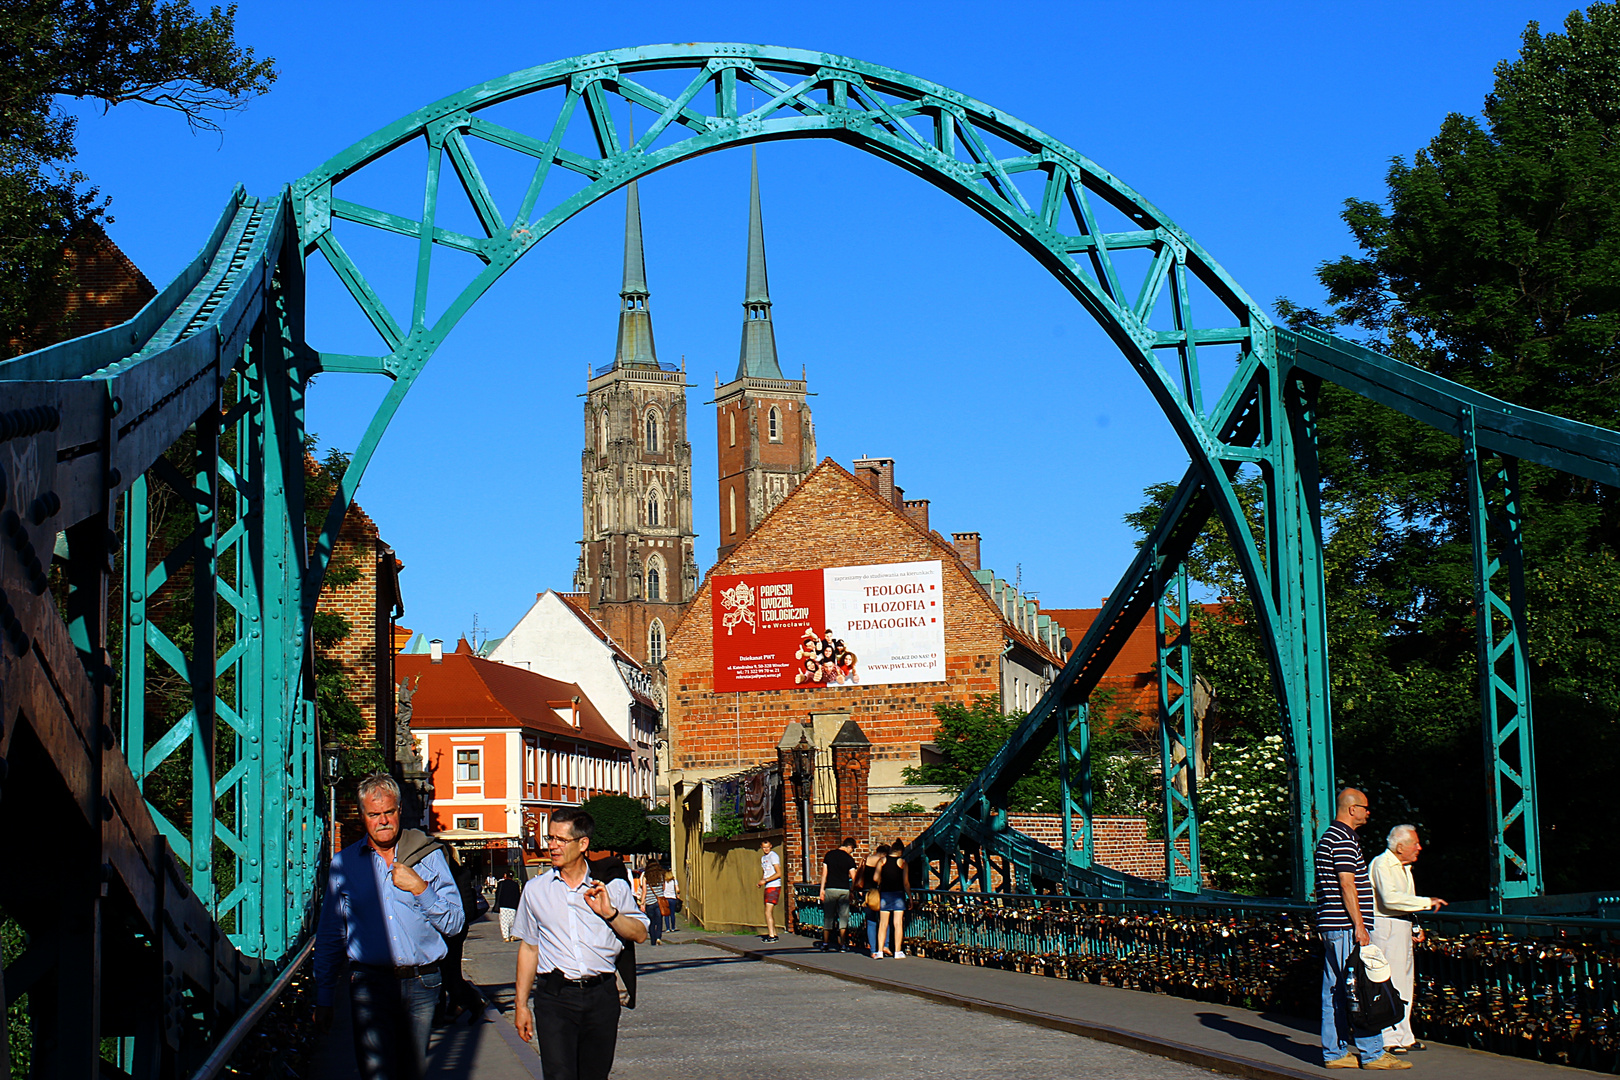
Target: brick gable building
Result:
[[834, 518], [369, 604], [108, 289]]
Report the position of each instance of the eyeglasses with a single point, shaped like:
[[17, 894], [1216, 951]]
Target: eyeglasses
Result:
[[550, 839]]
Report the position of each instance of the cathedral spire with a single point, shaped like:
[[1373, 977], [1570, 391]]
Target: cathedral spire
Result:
[[635, 320], [758, 359]]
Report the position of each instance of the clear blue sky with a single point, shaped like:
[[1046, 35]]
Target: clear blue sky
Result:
[[927, 335]]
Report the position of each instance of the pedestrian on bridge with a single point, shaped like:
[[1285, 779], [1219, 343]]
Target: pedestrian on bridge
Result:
[[1344, 911], [866, 885], [391, 919], [507, 894], [893, 882], [572, 928], [837, 870], [1395, 899], [770, 879]]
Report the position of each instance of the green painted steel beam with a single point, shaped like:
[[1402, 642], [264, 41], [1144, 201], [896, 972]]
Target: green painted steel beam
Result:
[[1496, 528], [1178, 733]]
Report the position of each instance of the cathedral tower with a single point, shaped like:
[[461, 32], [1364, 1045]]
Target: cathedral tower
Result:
[[766, 438], [636, 564]]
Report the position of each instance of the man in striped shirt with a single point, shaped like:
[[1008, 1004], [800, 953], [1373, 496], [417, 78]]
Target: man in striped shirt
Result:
[[1344, 912]]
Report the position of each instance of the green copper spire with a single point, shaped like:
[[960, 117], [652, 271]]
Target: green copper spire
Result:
[[635, 320], [758, 359]]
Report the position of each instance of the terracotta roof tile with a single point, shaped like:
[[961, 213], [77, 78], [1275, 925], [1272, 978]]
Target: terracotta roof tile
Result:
[[469, 691]]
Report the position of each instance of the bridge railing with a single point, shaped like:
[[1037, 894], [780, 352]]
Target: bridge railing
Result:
[[1545, 987]]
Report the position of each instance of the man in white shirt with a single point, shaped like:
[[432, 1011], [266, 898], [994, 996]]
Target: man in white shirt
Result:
[[770, 879], [1395, 898], [572, 929]]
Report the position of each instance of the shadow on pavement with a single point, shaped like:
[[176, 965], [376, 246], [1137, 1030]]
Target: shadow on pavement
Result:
[[1296, 1023], [1277, 1040], [657, 966]]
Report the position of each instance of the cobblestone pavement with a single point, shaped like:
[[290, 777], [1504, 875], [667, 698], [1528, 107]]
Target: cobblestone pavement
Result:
[[703, 1012]]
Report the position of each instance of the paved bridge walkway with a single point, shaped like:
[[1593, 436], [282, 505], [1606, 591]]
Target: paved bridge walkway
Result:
[[733, 1007]]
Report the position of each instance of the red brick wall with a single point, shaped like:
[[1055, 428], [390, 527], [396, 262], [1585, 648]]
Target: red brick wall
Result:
[[108, 289], [831, 519], [369, 667], [1121, 843]]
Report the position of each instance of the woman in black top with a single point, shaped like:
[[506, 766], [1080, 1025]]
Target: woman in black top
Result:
[[893, 881]]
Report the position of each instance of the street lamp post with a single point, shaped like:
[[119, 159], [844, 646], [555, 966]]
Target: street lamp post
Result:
[[334, 771], [803, 758]]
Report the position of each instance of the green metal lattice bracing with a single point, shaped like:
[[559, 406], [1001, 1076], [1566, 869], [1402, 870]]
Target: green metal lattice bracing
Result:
[[1178, 735], [222, 888]]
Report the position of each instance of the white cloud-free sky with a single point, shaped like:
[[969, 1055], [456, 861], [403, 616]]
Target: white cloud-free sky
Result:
[[927, 335]]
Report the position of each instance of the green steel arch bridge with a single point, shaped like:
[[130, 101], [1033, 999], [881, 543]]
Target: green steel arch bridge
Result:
[[167, 926]]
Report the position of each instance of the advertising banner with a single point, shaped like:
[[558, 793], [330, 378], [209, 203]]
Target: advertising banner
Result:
[[840, 626]]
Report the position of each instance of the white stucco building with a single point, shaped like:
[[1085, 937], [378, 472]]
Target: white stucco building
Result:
[[558, 638]]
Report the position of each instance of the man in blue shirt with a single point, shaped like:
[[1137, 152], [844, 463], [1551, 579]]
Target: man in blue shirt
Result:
[[391, 920]]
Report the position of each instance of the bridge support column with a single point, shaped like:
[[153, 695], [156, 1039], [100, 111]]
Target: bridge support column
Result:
[[1504, 671], [1178, 734], [1294, 549], [1074, 784]]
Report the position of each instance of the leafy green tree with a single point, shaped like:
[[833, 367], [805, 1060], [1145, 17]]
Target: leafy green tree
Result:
[[1494, 260], [113, 51], [621, 822], [970, 735]]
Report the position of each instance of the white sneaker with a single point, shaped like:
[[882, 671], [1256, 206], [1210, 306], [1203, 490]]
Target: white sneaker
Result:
[[899, 955], [877, 956]]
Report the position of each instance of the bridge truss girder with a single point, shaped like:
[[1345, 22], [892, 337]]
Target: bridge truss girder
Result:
[[221, 358]]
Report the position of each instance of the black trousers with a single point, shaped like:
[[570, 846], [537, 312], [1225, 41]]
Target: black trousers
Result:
[[576, 1029]]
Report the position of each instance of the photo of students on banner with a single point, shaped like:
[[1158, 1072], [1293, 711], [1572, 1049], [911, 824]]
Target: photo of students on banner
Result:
[[825, 661]]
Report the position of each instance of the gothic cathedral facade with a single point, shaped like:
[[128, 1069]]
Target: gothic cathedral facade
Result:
[[636, 569], [766, 439]]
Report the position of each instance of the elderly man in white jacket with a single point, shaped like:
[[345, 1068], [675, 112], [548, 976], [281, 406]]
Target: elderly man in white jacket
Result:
[[1395, 898]]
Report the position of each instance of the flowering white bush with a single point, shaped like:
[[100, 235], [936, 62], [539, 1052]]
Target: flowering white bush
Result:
[[1243, 819]]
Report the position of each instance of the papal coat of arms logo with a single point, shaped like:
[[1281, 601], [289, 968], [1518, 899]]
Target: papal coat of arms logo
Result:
[[738, 602]]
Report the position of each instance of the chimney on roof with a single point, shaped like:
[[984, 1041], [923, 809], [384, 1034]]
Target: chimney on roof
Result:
[[967, 547], [878, 474], [917, 510], [436, 650]]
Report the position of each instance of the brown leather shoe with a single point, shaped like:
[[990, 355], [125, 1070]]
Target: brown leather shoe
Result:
[[1349, 1061], [1387, 1061]]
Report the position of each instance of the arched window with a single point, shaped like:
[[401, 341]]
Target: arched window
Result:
[[652, 510], [775, 425], [731, 422], [655, 580], [732, 498], [655, 642], [652, 431], [601, 432]]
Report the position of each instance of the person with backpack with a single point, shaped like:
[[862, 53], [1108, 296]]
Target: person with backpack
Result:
[[1344, 913]]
